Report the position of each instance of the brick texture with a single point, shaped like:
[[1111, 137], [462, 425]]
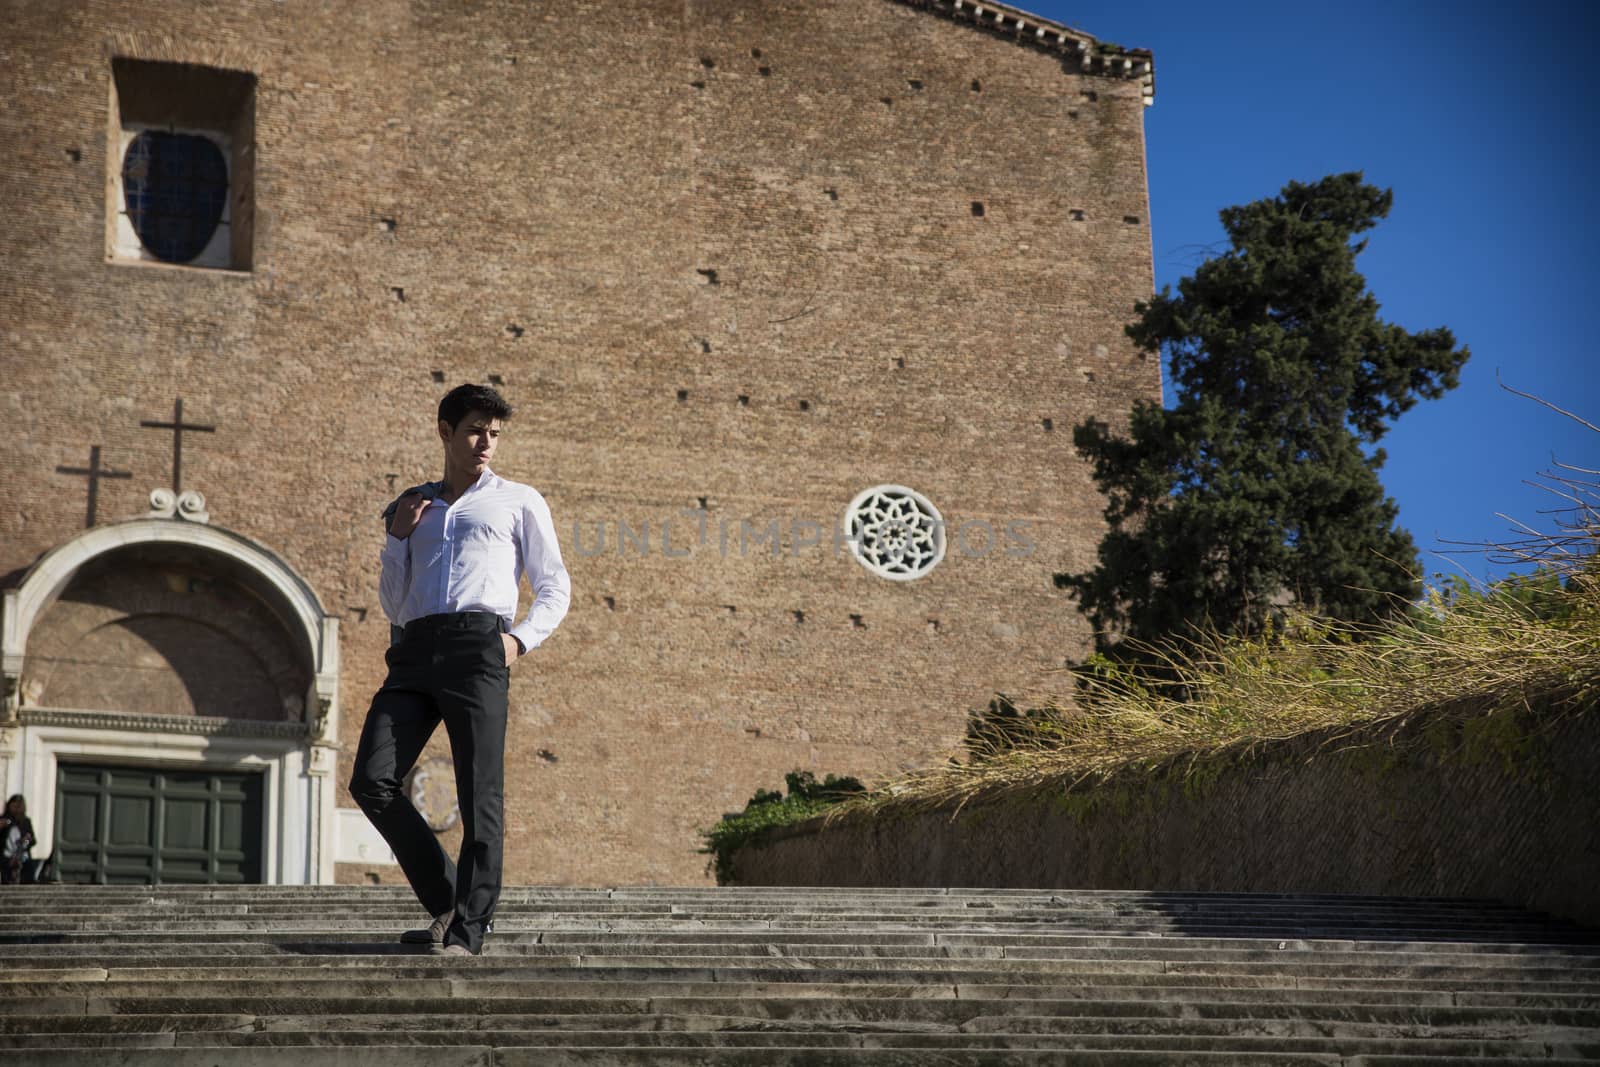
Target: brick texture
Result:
[[633, 215]]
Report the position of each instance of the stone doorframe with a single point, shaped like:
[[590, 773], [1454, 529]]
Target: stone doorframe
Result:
[[298, 759]]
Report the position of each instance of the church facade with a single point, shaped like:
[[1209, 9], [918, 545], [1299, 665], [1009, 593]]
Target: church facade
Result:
[[798, 303]]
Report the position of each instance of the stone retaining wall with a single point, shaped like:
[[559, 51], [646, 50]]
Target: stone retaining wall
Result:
[[1500, 807]]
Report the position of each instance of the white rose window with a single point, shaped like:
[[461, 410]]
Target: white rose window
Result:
[[895, 532]]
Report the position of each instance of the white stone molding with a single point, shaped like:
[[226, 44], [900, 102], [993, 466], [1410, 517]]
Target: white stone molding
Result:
[[190, 505], [316, 632], [198, 725], [894, 532], [1091, 55], [293, 842], [300, 794]]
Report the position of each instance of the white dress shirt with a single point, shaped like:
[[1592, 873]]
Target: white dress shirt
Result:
[[470, 556]]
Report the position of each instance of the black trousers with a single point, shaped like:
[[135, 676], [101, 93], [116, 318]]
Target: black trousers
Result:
[[450, 669]]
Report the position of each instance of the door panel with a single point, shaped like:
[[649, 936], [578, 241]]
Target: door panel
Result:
[[153, 826]]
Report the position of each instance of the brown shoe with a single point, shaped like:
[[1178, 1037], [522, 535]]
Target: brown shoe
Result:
[[433, 934]]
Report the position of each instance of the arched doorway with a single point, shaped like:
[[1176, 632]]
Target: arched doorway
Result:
[[171, 703]]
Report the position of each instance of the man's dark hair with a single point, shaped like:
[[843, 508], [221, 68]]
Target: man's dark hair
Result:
[[464, 398]]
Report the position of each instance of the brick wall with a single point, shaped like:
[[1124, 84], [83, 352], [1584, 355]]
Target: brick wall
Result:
[[1499, 808], [633, 215]]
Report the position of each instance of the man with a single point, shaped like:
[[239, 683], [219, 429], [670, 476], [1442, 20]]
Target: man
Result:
[[455, 552]]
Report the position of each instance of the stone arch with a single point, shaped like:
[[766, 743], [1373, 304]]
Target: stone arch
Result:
[[289, 750], [307, 630]]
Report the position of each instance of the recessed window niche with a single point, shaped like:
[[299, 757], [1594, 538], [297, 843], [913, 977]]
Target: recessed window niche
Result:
[[180, 178]]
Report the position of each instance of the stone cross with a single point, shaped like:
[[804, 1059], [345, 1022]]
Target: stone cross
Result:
[[177, 426], [94, 473]]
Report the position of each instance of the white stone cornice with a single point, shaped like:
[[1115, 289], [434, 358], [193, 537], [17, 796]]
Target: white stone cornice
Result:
[[311, 629], [1091, 56], [198, 725]]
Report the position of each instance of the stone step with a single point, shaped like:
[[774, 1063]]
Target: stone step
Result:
[[19, 912], [1155, 957], [857, 912], [487, 979], [1177, 1043], [797, 967], [1105, 1038], [215, 1029], [476, 1056], [128, 974], [863, 1003], [511, 931]]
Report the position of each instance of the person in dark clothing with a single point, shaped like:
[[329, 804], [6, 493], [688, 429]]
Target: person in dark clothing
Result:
[[16, 842]]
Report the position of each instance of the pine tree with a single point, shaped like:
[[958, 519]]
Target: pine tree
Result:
[[1259, 486]]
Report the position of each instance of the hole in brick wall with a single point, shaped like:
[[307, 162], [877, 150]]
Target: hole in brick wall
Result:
[[697, 84], [765, 72], [374, 878], [398, 293], [755, 53], [1131, 220], [886, 101], [74, 155], [359, 613], [511, 61], [495, 379], [709, 274], [799, 616], [1090, 95], [831, 194], [707, 62], [753, 731], [977, 209], [513, 330], [916, 85], [856, 623], [730, 609], [933, 626], [610, 602], [744, 400], [387, 225], [1049, 424], [900, 363], [701, 501], [805, 405], [683, 395], [1077, 214], [546, 755], [1088, 376], [1072, 114], [438, 375], [390, 477], [977, 86], [705, 345]]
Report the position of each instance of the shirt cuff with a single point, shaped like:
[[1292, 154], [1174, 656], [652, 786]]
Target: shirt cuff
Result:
[[527, 636]]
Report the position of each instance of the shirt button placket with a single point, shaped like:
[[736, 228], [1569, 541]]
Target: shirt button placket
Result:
[[449, 557]]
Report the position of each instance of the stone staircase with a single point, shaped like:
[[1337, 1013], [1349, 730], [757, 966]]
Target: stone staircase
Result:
[[312, 976]]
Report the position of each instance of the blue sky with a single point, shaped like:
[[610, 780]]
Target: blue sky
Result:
[[1481, 118]]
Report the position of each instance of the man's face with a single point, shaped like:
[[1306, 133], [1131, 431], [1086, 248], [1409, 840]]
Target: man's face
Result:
[[470, 446]]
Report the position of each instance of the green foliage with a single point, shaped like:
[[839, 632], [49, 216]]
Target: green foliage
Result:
[[769, 808], [1258, 489]]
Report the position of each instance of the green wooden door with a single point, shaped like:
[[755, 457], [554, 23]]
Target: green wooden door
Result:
[[136, 825]]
